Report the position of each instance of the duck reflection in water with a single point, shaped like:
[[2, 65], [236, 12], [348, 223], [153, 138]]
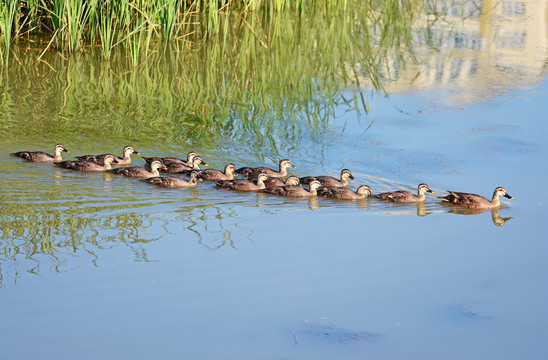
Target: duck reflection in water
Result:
[[497, 219]]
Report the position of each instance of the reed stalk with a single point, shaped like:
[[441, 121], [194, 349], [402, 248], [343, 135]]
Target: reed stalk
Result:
[[9, 15]]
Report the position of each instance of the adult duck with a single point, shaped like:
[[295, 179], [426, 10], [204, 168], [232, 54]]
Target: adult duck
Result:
[[473, 201]]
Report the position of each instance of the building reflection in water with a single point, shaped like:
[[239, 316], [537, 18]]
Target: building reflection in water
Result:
[[493, 46]]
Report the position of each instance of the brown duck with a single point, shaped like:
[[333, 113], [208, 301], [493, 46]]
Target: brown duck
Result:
[[89, 166], [39, 156], [273, 181], [251, 172], [140, 172], [179, 168], [473, 201], [214, 174], [99, 159], [344, 193], [172, 181], [328, 181], [295, 190], [405, 196], [244, 184], [173, 160]]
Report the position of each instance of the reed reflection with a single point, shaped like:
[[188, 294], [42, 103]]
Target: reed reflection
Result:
[[32, 237]]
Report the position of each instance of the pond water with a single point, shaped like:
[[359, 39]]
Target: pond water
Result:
[[100, 266]]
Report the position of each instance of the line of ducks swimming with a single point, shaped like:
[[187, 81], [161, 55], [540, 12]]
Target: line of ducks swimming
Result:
[[257, 178]]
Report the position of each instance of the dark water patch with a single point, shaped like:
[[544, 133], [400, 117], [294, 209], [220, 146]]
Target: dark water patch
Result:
[[321, 334], [467, 311]]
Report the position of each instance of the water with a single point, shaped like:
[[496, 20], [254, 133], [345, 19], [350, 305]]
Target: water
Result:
[[101, 266]]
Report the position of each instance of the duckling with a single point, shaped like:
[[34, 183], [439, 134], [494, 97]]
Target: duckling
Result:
[[273, 181], [172, 181], [244, 184], [405, 196], [295, 190], [473, 201], [251, 172], [214, 174], [98, 159], [171, 160], [140, 172], [328, 181], [344, 193], [39, 156], [88, 165]]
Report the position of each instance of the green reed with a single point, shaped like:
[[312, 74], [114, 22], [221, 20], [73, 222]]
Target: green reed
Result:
[[74, 25], [9, 15]]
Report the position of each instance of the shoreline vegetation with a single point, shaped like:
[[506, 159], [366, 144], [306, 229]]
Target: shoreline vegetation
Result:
[[70, 26]]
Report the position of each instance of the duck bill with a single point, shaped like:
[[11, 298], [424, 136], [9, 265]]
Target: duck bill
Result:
[[137, 153], [429, 191], [65, 150], [508, 196]]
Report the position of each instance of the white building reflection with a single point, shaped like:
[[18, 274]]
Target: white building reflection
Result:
[[478, 49]]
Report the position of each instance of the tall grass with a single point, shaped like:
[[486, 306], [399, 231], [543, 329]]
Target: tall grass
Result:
[[9, 15], [74, 25]]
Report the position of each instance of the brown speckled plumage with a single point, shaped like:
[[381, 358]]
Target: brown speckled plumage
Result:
[[473, 201]]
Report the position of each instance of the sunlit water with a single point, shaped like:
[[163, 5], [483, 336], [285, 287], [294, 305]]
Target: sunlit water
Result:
[[100, 266]]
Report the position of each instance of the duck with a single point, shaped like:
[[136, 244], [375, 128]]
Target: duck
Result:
[[179, 167], [295, 190], [244, 184], [273, 181], [329, 181], [172, 181], [405, 196], [39, 156], [344, 193], [214, 174], [171, 160], [98, 159], [251, 172], [140, 172], [473, 201], [89, 166]]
